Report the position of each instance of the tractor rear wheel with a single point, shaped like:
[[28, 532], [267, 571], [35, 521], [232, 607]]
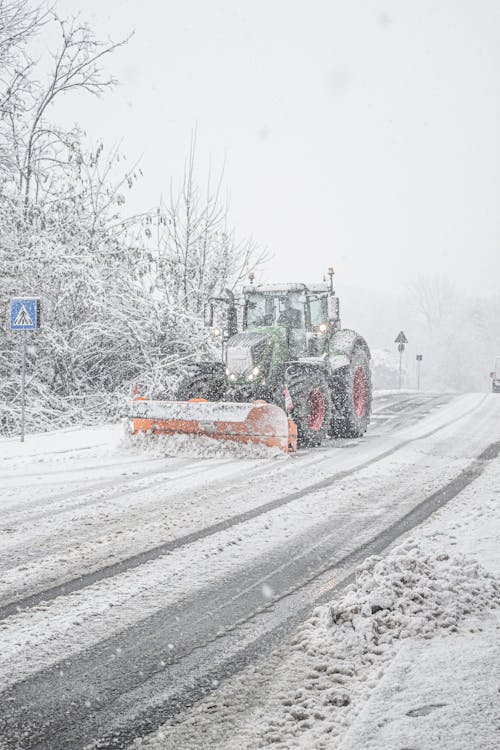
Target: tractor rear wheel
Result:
[[354, 401], [312, 407], [202, 381]]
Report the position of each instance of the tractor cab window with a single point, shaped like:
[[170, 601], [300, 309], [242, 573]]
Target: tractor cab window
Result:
[[259, 311], [290, 311], [318, 309], [275, 310]]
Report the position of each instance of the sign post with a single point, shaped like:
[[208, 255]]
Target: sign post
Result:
[[400, 340], [419, 360], [24, 316]]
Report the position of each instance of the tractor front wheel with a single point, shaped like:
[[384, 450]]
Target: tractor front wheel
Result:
[[311, 406]]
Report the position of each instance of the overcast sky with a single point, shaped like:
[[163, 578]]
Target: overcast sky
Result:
[[361, 134]]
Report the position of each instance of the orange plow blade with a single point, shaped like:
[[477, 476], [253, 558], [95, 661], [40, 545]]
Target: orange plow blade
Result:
[[256, 423]]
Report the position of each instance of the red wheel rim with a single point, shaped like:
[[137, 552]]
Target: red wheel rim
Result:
[[317, 409], [359, 391]]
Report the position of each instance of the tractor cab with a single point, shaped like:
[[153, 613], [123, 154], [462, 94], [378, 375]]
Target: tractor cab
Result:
[[306, 314]]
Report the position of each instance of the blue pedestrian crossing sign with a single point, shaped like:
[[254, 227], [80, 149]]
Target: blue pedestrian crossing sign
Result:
[[24, 313]]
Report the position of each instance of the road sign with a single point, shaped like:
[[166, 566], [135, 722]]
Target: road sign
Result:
[[24, 316], [24, 313], [400, 340]]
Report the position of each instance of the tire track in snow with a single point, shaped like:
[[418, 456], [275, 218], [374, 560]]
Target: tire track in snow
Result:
[[60, 451], [82, 496], [134, 561]]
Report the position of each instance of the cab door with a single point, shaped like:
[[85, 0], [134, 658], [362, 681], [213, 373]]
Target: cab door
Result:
[[292, 315], [317, 339]]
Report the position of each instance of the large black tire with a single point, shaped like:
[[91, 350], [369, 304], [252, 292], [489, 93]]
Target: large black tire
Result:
[[353, 397], [312, 405], [204, 380]]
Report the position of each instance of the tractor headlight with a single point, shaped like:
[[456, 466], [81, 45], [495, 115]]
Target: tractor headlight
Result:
[[253, 374], [323, 328], [216, 332], [232, 376], [228, 371]]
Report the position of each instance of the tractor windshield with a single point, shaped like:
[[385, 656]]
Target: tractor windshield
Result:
[[275, 310]]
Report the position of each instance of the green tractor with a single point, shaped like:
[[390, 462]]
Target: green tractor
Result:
[[292, 352]]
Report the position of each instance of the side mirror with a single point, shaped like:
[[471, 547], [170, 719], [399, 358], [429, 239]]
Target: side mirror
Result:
[[208, 315], [333, 308], [492, 375]]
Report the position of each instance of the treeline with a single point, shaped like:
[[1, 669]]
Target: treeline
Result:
[[122, 296], [458, 335]]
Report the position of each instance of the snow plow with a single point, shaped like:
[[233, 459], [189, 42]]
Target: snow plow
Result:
[[289, 374], [257, 423]]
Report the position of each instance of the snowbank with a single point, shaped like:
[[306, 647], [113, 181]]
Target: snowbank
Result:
[[411, 593]]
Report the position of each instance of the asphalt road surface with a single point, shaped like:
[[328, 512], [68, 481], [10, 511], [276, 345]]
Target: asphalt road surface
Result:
[[132, 583]]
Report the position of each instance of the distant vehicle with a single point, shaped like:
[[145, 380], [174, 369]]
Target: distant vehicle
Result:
[[495, 376]]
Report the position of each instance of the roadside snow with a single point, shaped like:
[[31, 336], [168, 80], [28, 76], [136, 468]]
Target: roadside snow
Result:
[[55, 445], [413, 593], [406, 613], [406, 657], [411, 708]]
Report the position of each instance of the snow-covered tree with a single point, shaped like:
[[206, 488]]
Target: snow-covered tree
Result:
[[116, 310], [459, 336], [193, 255]]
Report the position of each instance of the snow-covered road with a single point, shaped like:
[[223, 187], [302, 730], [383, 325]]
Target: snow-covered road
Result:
[[132, 582]]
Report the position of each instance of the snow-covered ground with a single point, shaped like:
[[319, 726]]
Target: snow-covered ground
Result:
[[96, 536], [407, 656]]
